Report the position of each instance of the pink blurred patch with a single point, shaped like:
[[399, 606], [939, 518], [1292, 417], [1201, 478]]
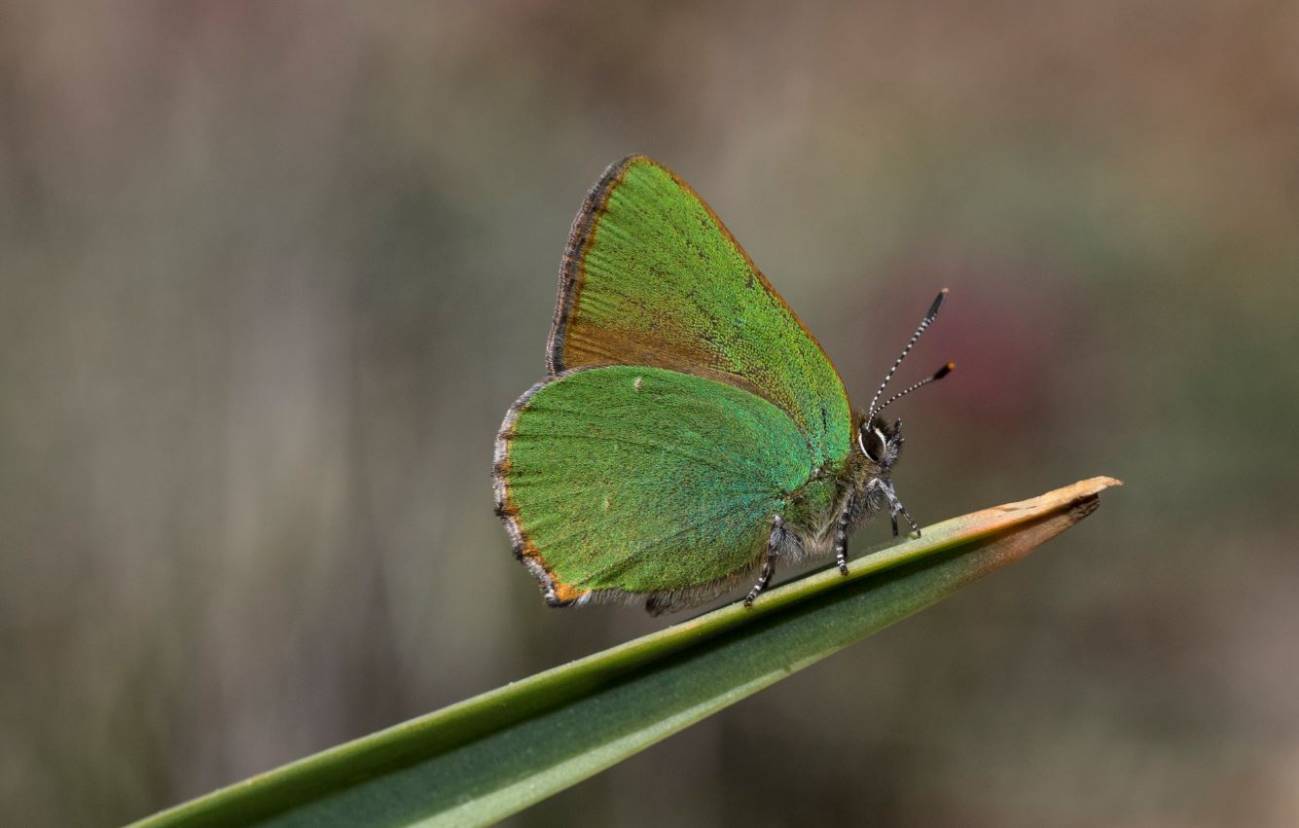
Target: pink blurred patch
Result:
[[1002, 325]]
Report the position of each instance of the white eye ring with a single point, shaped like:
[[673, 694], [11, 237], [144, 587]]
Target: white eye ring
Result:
[[884, 443]]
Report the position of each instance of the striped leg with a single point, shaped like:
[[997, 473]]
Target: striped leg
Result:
[[915, 529], [774, 541], [896, 508], [841, 537]]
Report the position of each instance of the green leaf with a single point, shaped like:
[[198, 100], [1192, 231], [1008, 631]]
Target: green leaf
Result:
[[485, 758]]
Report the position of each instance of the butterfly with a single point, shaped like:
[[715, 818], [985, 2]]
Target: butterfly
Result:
[[690, 432]]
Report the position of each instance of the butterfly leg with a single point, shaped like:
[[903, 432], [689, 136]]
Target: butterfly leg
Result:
[[841, 537], [915, 530], [896, 508], [774, 542]]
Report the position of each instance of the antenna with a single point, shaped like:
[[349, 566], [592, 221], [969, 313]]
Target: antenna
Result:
[[937, 375], [920, 329]]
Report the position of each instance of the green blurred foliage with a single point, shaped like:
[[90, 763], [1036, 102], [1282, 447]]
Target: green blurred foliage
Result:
[[271, 273]]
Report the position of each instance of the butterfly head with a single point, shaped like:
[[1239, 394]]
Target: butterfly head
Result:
[[880, 442]]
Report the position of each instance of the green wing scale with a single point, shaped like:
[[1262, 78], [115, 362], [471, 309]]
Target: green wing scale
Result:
[[631, 479], [651, 276], [685, 406]]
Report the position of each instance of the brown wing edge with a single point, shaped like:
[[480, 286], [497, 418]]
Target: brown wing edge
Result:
[[571, 272], [556, 593]]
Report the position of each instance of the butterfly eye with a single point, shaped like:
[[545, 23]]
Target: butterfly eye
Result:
[[873, 444]]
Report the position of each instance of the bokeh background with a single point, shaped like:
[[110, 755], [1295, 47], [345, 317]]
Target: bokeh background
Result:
[[271, 273]]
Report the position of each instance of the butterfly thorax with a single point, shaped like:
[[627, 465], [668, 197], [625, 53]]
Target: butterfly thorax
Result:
[[855, 488]]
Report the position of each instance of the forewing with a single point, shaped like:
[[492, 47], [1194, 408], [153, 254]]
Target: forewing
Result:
[[638, 480], [651, 276]]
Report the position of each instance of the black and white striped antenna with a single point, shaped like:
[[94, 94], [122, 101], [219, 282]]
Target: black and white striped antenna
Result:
[[930, 315], [937, 375]]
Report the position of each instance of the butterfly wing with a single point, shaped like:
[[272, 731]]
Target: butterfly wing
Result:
[[651, 276], [637, 480]]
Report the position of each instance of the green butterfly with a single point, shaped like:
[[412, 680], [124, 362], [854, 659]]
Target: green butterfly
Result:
[[690, 431]]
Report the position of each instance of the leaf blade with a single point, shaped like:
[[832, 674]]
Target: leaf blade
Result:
[[480, 760]]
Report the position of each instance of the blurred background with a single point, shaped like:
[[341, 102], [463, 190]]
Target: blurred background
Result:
[[270, 275]]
